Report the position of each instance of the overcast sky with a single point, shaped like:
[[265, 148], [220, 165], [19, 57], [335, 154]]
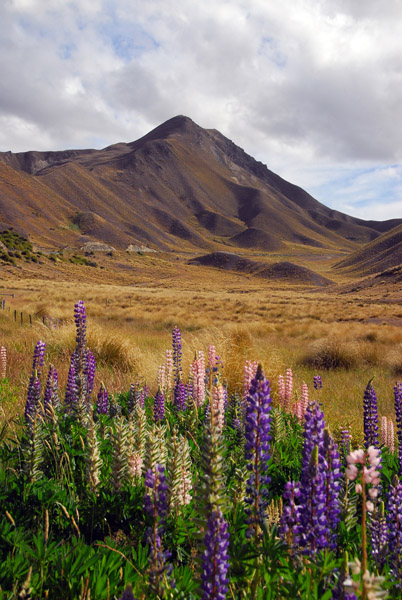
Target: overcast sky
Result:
[[312, 88]]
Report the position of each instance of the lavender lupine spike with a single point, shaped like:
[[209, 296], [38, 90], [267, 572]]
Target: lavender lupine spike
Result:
[[51, 396], [314, 529], [71, 389], [128, 593], [370, 417], [89, 373], [156, 505], [102, 403], [34, 387], [290, 518], [398, 415], [159, 406], [333, 475], [394, 522], [177, 354], [180, 396], [215, 559], [317, 382], [379, 536], [80, 319], [257, 451]]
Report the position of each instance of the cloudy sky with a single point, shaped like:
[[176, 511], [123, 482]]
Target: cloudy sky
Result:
[[312, 88]]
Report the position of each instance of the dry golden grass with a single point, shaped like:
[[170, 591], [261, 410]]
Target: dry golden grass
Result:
[[130, 321]]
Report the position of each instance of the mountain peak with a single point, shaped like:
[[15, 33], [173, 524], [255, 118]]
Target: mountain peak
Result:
[[179, 125]]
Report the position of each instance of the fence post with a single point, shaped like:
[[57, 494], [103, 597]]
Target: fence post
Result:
[[22, 321], [30, 320], [15, 315]]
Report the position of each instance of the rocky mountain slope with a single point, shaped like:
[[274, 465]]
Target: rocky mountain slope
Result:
[[178, 187]]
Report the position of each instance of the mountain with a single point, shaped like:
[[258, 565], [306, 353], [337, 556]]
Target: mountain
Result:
[[381, 254], [178, 187]]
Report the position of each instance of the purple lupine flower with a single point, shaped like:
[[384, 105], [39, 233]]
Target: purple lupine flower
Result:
[[290, 518], [102, 403], [134, 397], [314, 528], [346, 438], [257, 450], [394, 522], [317, 382], [333, 475], [379, 536], [71, 389], [80, 319], [215, 558], [156, 505], [370, 417], [128, 593], [89, 372], [34, 386], [51, 396], [398, 414], [177, 354], [33, 399], [180, 396], [159, 406]]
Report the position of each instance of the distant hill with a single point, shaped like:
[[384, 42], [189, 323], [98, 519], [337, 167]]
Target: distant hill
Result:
[[178, 187], [381, 254], [282, 271]]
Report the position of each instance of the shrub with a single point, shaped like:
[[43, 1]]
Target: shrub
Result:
[[330, 355]]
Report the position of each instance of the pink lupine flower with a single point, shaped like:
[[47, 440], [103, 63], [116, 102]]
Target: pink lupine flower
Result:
[[135, 466], [288, 388], [281, 390], [3, 362], [197, 375], [218, 406], [391, 437], [384, 430], [304, 397], [212, 357], [249, 371]]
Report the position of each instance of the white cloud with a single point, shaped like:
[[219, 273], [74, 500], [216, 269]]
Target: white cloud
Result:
[[310, 88]]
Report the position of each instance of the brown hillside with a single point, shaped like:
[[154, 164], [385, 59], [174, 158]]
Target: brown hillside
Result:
[[381, 254], [281, 271], [180, 187]]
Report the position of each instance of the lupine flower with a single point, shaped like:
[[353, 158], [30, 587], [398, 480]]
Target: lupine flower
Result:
[[128, 593], [394, 522], [89, 372], [102, 403], [319, 488], [119, 442], [398, 415], [71, 389], [93, 458], [34, 386], [212, 362], [180, 396], [378, 536], [257, 450], [218, 405], [288, 388], [249, 371], [3, 362], [156, 505], [290, 519], [317, 382], [281, 391], [159, 406], [180, 481], [51, 396], [346, 438], [304, 397], [370, 417], [135, 466], [215, 559], [197, 375], [177, 354], [333, 476]]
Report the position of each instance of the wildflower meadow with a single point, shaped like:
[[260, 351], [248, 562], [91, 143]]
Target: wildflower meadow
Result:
[[180, 488]]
